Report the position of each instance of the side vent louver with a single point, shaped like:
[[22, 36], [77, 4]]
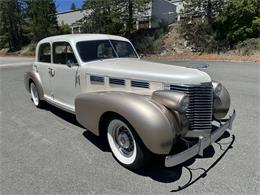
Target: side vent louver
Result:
[[96, 79], [140, 84], [114, 81]]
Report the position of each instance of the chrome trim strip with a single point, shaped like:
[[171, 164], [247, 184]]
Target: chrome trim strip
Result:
[[140, 84], [200, 146], [116, 81], [94, 79]]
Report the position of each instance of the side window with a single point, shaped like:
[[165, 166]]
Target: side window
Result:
[[63, 54], [45, 53]]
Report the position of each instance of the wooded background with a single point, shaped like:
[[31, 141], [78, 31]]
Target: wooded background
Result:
[[210, 25]]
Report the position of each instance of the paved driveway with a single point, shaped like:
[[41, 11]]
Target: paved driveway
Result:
[[47, 151]]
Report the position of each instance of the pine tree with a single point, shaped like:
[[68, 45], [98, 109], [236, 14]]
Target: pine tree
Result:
[[11, 24], [131, 8], [203, 9], [113, 16], [42, 19], [104, 17], [73, 6]]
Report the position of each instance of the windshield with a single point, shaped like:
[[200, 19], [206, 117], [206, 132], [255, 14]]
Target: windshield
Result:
[[104, 49]]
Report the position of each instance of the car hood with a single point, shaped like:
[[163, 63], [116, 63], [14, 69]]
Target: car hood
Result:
[[144, 70]]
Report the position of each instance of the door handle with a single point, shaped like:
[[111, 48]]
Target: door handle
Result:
[[51, 72]]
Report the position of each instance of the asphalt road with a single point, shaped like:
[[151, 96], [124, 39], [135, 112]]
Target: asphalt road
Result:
[[14, 60], [47, 151]]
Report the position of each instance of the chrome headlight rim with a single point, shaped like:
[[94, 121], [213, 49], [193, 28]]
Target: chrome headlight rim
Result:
[[184, 104], [217, 87]]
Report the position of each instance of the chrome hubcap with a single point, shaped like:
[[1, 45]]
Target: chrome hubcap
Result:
[[124, 141]]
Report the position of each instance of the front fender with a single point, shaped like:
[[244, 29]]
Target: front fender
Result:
[[153, 122], [35, 77]]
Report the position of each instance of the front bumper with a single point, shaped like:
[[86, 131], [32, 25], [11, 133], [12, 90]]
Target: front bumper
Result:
[[202, 144]]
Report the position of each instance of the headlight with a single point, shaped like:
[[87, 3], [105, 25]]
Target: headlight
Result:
[[172, 100], [217, 88], [185, 103]]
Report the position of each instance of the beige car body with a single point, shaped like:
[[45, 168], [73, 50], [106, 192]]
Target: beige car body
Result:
[[149, 105]]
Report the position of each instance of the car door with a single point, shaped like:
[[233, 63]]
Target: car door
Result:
[[66, 79], [43, 66]]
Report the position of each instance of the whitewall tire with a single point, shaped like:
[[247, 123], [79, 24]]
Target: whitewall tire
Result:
[[35, 95], [125, 145]]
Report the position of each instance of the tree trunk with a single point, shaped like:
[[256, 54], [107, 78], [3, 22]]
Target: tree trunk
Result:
[[130, 18]]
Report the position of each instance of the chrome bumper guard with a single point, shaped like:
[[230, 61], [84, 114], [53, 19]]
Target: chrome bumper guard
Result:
[[202, 144]]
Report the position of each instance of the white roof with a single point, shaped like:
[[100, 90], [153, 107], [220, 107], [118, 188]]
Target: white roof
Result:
[[82, 37]]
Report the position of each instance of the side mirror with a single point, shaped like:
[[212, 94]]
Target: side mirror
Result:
[[141, 56], [70, 63]]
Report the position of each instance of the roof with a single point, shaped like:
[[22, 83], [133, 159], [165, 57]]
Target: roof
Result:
[[69, 11], [82, 37]]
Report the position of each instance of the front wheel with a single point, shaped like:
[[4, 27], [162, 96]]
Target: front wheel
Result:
[[125, 144]]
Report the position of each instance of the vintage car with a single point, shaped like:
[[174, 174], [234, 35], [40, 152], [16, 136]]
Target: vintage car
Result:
[[143, 108]]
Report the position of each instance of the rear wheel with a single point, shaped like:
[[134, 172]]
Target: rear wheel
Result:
[[125, 144], [35, 95]]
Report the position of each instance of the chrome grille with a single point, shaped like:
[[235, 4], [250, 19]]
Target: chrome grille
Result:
[[200, 109]]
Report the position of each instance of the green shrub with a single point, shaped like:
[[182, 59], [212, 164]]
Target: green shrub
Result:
[[200, 36], [64, 29], [148, 41], [249, 46]]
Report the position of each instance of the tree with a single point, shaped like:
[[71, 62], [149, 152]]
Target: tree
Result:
[[112, 16], [73, 6], [11, 24], [203, 9], [64, 29], [130, 9], [240, 21], [104, 17], [199, 23], [42, 19], [218, 24]]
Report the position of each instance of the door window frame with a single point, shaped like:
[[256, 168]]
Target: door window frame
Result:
[[53, 52], [39, 52]]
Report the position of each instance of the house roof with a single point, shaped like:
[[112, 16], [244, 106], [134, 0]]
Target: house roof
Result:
[[69, 11]]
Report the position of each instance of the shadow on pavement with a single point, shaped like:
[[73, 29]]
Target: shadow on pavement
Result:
[[71, 118]]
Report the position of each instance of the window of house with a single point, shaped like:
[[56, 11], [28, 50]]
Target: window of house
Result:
[[45, 53], [63, 53]]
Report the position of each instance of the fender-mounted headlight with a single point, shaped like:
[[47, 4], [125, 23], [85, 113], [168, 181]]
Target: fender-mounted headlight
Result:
[[172, 100], [217, 87], [185, 103]]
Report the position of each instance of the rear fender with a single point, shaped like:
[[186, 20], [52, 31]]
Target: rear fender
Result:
[[35, 77]]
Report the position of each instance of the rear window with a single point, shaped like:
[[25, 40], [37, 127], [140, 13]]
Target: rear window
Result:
[[45, 53]]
